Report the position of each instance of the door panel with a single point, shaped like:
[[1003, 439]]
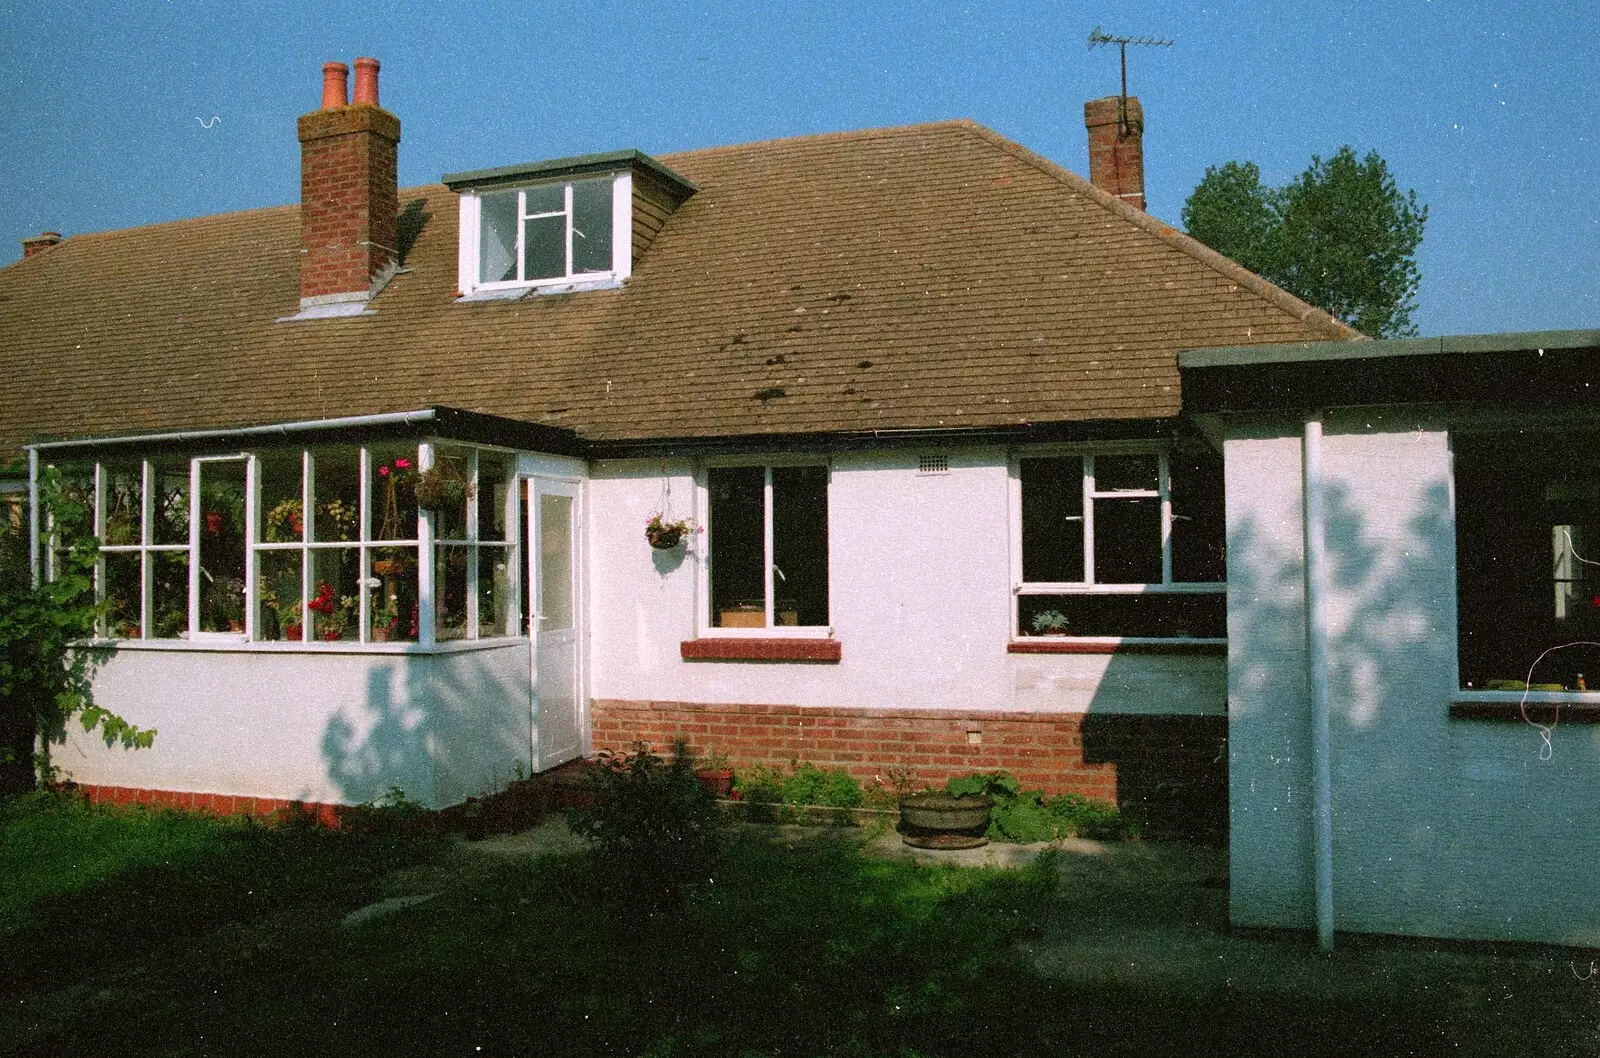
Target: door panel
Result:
[[554, 618]]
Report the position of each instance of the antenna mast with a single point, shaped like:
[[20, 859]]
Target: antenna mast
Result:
[[1097, 38]]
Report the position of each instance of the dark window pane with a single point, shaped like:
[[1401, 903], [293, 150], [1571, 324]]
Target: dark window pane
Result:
[[494, 591], [222, 542], [544, 247], [1527, 519], [282, 499], [1052, 520], [169, 595], [123, 573], [1162, 615], [335, 599], [1127, 541], [800, 545], [497, 238], [450, 515], [591, 226], [1126, 473], [124, 502], [547, 198], [281, 618], [171, 503], [450, 589], [336, 473], [393, 598], [494, 486], [394, 496], [1198, 518], [738, 554]]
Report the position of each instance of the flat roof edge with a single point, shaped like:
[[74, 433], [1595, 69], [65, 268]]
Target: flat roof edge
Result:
[[1313, 352], [576, 165]]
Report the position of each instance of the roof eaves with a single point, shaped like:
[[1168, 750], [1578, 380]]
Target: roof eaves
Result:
[[1317, 352], [1232, 270]]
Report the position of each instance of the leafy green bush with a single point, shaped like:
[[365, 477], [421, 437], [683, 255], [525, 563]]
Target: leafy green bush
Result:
[[389, 815], [653, 829], [829, 787], [758, 785], [1025, 816]]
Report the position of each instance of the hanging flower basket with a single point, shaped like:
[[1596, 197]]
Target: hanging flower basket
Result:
[[663, 535], [442, 486]]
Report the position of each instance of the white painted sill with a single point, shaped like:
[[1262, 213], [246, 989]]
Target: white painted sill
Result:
[[188, 646]]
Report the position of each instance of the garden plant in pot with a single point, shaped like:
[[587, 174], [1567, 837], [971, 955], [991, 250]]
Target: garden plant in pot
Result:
[[945, 820], [664, 535]]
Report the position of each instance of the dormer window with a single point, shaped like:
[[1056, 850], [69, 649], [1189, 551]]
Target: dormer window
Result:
[[552, 227]]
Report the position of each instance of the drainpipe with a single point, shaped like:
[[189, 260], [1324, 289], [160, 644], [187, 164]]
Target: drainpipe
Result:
[[1316, 593], [33, 514]]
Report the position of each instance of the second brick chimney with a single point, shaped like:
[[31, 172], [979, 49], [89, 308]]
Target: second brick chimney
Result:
[[1116, 147], [39, 243], [348, 197]]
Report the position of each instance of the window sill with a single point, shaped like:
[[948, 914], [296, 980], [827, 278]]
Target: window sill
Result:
[[1544, 707], [1053, 645], [239, 646], [744, 648], [565, 285]]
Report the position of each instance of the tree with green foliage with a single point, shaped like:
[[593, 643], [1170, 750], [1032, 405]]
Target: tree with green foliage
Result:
[[1340, 235], [47, 654]]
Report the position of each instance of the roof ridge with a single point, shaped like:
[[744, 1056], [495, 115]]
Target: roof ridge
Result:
[[1230, 269], [825, 137]]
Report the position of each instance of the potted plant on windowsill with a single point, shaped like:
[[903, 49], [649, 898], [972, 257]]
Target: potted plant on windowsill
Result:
[[713, 772], [664, 535], [1049, 623]]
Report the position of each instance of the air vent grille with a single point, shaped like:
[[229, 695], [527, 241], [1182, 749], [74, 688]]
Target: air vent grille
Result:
[[933, 464]]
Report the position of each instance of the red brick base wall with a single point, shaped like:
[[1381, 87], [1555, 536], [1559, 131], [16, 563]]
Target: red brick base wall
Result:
[[212, 804], [1173, 768]]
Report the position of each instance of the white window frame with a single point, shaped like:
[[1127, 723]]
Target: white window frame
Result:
[[704, 627], [1089, 585], [621, 239]]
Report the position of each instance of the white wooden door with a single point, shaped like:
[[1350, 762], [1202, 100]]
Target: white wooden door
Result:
[[555, 615]]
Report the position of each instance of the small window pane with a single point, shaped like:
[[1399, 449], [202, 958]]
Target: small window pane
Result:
[[394, 498], [123, 572], [281, 617], [494, 486], [335, 598], [547, 198], [393, 598], [591, 226], [222, 542], [544, 248], [1162, 615], [336, 477], [124, 503], [494, 591], [450, 592], [1127, 541], [555, 563], [169, 596], [497, 237], [171, 503], [283, 517], [1052, 520], [738, 551], [800, 545], [1198, 519], [72, 514], [450, 507], [1126, 473]]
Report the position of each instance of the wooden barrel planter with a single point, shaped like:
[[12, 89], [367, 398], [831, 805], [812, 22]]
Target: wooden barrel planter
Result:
[[943, 821]]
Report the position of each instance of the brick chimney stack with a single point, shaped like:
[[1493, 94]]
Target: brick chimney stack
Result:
[[348, 196], [1116, 147], [39, 243]]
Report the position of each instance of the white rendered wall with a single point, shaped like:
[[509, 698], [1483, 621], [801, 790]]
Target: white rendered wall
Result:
[[338, 728], [921, 603], [1442, 827]]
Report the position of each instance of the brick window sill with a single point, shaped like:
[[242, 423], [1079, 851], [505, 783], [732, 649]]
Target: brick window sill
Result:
[[753, 649], [1052, 645]]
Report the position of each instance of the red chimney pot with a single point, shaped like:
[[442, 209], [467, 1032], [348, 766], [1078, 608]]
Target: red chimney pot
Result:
[[335, 81], [367, 81]]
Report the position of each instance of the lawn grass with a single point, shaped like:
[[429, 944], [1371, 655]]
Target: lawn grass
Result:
[[809, 949]]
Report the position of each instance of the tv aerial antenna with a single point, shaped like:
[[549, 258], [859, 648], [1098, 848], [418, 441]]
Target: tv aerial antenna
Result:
[[1097, 38]]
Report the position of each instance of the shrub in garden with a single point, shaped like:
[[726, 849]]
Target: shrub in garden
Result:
[[653, 828], [1025, 816]]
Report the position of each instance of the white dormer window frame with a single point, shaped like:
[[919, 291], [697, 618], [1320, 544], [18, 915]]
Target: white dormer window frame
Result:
[[533, 203]]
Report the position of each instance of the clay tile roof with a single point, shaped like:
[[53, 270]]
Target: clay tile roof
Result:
[[926, 276]]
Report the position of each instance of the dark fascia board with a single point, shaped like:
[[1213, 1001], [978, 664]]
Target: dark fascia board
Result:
[[556, 168], [1316, 352], [450, 424], [866, 440], [1535, 371]]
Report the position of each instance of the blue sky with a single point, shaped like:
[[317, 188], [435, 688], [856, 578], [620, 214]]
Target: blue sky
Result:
[[1491, 111]]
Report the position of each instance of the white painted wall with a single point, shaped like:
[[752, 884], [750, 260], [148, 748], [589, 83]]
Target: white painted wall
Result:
[[921, 603], [1442, 827], [320, 726]]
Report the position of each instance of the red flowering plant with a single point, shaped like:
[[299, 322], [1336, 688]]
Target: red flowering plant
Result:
[[664, 535], [397, 480], [333, 612]]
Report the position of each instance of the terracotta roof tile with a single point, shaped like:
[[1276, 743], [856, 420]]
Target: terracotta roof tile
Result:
[[894, 278]]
